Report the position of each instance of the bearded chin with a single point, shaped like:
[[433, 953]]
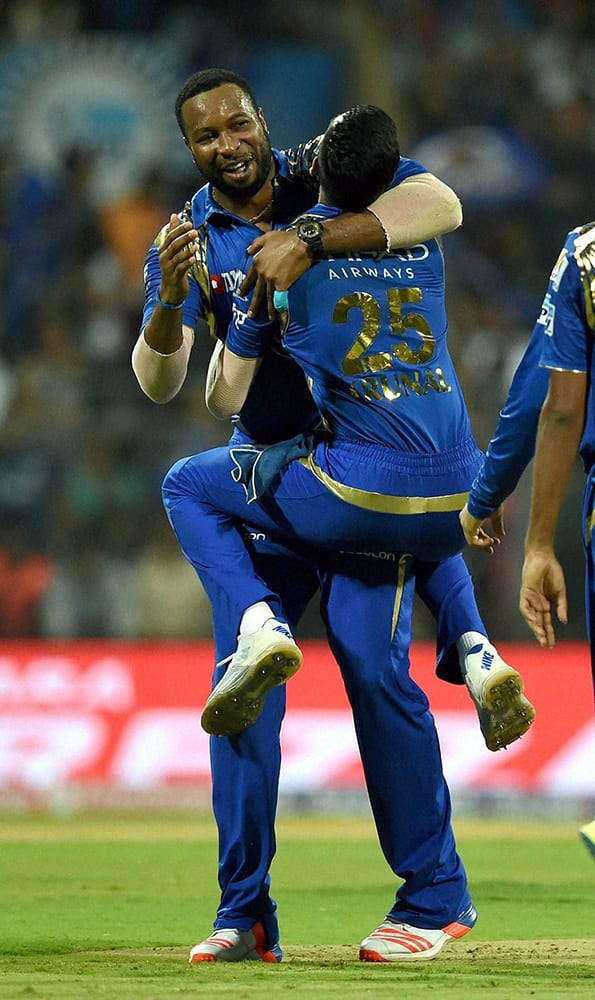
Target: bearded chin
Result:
[[239, 191]]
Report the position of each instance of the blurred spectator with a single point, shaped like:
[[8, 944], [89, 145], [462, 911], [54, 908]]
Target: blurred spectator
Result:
[[98, 483], [8, 389], [50, 402], [49, 230], [105, 325], [91, 591], [29, 484], [25, 576], [169, 598], [129, 224]]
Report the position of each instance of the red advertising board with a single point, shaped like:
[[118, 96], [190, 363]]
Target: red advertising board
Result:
[[127, 716]]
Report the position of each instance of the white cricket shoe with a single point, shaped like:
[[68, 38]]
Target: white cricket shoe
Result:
[[232, 945], [263, 660], [395, 942], [497, 692]]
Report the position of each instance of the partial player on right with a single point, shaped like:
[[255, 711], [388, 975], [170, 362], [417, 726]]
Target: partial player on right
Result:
[[550, 410]]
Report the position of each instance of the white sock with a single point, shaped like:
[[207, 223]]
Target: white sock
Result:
[[471, 666], [254, 617]]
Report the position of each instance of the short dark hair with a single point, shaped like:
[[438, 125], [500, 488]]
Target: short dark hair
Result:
[[358, 157], [209, 79]]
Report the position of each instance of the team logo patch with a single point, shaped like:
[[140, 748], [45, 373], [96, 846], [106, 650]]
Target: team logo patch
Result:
[[547, 315]]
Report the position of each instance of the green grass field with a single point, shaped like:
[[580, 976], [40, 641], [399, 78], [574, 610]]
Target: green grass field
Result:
[[108, 906]]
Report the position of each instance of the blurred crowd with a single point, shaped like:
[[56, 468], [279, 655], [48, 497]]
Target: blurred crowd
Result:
[[498, 99]]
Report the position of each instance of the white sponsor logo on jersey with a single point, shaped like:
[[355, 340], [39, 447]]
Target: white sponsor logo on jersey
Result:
[[547, 315]]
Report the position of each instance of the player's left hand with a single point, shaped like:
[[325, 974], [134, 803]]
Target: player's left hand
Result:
[[278, 260], [542, 587], [475, 533]]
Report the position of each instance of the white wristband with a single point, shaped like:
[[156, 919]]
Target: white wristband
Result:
[[387, 239]]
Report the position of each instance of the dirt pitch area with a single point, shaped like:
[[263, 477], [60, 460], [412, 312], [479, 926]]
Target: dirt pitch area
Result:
[[558, 952], [572, 951]]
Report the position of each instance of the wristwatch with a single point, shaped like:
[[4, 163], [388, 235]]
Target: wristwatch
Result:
[[310, 231]]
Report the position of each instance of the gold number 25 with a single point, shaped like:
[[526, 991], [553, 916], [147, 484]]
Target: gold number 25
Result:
[[358, 360]]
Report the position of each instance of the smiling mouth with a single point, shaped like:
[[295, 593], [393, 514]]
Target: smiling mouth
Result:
[[238, 169]]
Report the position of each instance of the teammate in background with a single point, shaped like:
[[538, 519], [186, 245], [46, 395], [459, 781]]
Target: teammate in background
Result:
[[195, 266], [550, 410]]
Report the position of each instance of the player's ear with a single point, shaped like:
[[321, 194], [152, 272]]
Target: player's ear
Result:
[[262, 120], [314, 167]]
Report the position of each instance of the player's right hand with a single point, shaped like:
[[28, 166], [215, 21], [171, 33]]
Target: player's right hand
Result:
[[278, 260], [177, 254], [542, 587]]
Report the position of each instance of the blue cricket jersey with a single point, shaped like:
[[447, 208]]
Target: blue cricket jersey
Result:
[[568, 315], [279, 404], [371, 336], [561, 339]]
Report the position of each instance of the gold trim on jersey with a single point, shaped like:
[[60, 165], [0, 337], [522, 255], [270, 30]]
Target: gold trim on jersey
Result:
[[383, 503], [200, 270], [399, 593], [589, 527], [566, 371], [584, 254]]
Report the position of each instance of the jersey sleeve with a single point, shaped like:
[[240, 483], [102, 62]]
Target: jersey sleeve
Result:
[[565, 344], [299, 160], [558, 341], [248, 337], [513, 444], [408, 168]]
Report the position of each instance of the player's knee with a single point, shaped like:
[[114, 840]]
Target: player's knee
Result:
[[175, 480]]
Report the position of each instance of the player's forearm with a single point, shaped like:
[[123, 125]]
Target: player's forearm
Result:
[[513, 444], [418, 209], [163, 330], [558, 439], [228, 382], [161, 374], [508, 455]]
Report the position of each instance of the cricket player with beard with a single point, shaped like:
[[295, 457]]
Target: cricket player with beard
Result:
[[192, 272]]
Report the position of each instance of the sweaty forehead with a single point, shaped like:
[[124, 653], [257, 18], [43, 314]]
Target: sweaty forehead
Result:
[[212, 106]]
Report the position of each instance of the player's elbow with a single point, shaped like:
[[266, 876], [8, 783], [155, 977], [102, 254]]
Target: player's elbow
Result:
[[445, 203], [453, 213], [222, 400], [219, 409], [155, 388], [228, 384], [158, 396]]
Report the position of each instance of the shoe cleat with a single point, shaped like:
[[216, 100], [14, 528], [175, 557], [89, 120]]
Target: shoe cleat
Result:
[[505, 714], [263, 660]]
